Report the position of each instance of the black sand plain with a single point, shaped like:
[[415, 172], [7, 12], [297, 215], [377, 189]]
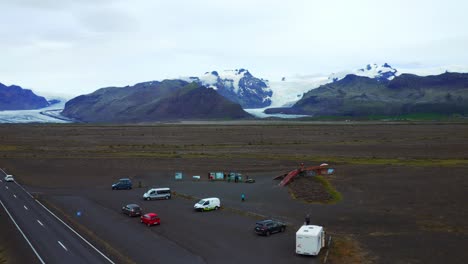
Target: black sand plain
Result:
[[403, 188]]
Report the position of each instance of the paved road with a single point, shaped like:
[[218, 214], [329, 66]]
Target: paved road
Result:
[[51, 239]]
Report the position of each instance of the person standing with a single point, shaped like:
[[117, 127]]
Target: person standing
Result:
[[307, 219], [242, 197]]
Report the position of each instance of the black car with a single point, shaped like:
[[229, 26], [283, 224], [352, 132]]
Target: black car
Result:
[[131, 210], [269, 226], [122, 184]]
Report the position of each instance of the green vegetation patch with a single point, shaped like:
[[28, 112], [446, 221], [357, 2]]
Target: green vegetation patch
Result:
[[345, 249], [398, 118], [439, 226], [206, 154], [314, 189], [3, 256], [335, 195], [8, 148]]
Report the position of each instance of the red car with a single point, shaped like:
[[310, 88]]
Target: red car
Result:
[[150, 219]]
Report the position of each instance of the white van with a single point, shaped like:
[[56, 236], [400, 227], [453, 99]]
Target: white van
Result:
[[9, 178], [207, 204], [157, 193], [310, 239]]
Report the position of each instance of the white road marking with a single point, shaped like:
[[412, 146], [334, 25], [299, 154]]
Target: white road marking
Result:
[[14, 195], [25, 207], [47, 209], [76, 233], [1, 181], [21, 231], [6, 187], [24, 190], [40, 223], [62, 245]]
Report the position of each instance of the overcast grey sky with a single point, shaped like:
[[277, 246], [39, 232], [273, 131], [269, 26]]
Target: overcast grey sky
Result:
[[77, 46]]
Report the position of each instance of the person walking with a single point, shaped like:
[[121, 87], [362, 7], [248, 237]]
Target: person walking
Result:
[[242, 197]]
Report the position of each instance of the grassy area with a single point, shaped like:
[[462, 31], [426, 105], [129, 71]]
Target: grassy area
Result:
[[8, 148], [405, 117], [346, 249], [335, 195], [440, 227], [314, 189], [3, 257], [228, 156]]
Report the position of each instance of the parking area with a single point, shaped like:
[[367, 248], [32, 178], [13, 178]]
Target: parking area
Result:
[[185, 235]]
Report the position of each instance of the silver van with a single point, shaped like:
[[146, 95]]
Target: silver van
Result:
[[157, 193]]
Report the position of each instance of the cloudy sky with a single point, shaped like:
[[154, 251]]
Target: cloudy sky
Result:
[[77, 46]]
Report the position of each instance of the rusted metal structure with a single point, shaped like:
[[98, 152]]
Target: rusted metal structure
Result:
[[322, 169]]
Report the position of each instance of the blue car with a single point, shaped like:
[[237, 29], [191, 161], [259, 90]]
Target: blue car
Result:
[[122, 184]]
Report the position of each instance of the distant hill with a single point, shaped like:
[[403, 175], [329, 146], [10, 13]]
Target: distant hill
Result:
[[405, 94], [16, 98], [152, 101]]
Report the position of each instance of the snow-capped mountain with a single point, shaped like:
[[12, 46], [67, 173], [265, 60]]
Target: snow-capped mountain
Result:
[[239, 86], [383, 72], [289, 90]]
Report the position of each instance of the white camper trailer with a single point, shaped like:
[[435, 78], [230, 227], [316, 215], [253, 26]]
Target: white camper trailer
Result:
[[310, 239]]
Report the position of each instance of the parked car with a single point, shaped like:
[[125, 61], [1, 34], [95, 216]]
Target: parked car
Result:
[[122, 184], [207, 204], [157, 193], [150, 219], [9, 178], [249, 180], [132, 210], [269, 226]]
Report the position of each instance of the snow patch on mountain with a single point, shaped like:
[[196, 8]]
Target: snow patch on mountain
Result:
[[238, 85], [289, 90], [383, 72]]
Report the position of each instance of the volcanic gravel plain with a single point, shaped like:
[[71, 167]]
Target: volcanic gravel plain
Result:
[[400, 189]]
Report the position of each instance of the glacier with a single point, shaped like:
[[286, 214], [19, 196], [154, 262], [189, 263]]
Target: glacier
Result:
[[50, 114]]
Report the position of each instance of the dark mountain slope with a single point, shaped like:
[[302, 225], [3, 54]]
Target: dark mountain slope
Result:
[[152, 101], [16, 98], [406, 94]]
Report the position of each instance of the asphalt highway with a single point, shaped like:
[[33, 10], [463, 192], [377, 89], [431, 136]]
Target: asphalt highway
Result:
[[51, 239]]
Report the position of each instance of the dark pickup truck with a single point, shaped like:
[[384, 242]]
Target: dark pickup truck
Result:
[[269, 226]]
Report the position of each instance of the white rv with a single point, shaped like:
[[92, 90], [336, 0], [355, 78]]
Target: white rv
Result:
[[207, 204], [309, 240]]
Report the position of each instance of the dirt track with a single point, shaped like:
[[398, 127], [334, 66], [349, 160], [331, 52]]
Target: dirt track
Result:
[[403, 185]]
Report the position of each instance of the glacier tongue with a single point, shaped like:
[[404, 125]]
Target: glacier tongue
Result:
[[48, 114]]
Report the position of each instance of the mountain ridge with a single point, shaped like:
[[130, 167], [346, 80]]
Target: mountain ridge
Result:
[[151, 102], [407, 93], [15, 97]]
